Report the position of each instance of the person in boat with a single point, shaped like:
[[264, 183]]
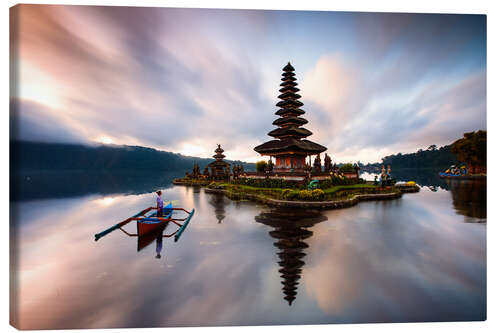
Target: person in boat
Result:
[[159, 204]]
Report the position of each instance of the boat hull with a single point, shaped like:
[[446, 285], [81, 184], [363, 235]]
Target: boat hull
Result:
[[150, 223], [146, 228]]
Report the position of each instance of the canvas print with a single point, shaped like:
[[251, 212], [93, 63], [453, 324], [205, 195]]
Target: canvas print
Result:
[[174, 167]]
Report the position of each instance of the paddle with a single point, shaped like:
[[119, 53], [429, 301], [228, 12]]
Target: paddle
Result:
[[121, 224]]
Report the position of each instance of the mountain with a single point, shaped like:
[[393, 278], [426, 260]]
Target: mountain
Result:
[[50, 170], [37, 156]]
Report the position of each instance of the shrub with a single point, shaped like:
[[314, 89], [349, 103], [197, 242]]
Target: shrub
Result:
[[324, 184], [318, 194], [260, 166], [290, 195], [286, 193], [305, 195]]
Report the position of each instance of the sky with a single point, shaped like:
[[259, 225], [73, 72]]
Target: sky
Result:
[[185, 80]]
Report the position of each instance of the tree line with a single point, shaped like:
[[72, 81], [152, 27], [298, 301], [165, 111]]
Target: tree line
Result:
[[26, 155], [470, 150], [432, 157]]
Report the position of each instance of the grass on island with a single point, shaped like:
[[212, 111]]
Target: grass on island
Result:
[[338, 192], [333, 193]]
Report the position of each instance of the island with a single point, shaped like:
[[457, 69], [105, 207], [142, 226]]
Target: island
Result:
[[288, 178]]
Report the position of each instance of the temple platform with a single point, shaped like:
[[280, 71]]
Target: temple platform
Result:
[[294, 176]]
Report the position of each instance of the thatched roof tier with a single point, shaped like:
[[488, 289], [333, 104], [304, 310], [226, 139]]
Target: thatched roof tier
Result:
[[288, 74], [290, 120], [288, 80], [219, 150], [219, 156], [288, 67], [284, 111], [277, 147], [289, 94], [294, 131], [218, 163], [288, 84], [289, 103], [289, 88]]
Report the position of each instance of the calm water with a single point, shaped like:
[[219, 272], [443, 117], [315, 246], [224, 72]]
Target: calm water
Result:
[[418, 258]]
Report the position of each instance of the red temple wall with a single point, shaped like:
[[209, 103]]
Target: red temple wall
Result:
[[290, 162]]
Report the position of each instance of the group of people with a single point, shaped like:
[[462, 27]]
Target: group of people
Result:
[[385, 176]]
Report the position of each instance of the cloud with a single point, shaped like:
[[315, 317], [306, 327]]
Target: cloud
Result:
[[157, 84], [33, 121], [359, 120], [186, 79]]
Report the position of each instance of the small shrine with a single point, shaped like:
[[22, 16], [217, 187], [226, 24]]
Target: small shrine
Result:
[[289, 147], [238, 170], [328, 163], [219, 169]]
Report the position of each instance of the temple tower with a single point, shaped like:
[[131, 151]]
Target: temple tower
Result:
[[289, 148], [218, 167]]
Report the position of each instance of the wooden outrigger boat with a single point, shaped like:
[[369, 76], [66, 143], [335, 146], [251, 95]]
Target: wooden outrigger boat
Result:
[[446, 175], [147, 223]]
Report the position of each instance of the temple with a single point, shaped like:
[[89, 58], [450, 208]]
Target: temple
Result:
[[219, 169], [289, 148]]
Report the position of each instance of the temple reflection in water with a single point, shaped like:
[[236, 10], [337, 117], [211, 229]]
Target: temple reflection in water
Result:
[[219, 202], [290, 229]]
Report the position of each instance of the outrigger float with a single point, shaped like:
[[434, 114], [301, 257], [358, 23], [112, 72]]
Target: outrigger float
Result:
[[148, 222]]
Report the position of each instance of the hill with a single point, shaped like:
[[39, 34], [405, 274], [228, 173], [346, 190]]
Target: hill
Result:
[[25, 155], [432, 157]]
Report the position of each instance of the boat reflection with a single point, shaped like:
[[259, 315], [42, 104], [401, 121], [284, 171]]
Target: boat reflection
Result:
[[469, 197], [290, 229], [145, 240]]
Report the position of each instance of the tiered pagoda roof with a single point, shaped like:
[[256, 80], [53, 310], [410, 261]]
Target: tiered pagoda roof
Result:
[[219, 156], [290, 135], [219, 153]]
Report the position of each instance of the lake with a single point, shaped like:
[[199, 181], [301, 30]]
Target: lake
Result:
[[418, 258]]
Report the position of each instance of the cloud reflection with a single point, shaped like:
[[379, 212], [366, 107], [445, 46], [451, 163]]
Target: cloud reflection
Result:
[[402, 260]]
